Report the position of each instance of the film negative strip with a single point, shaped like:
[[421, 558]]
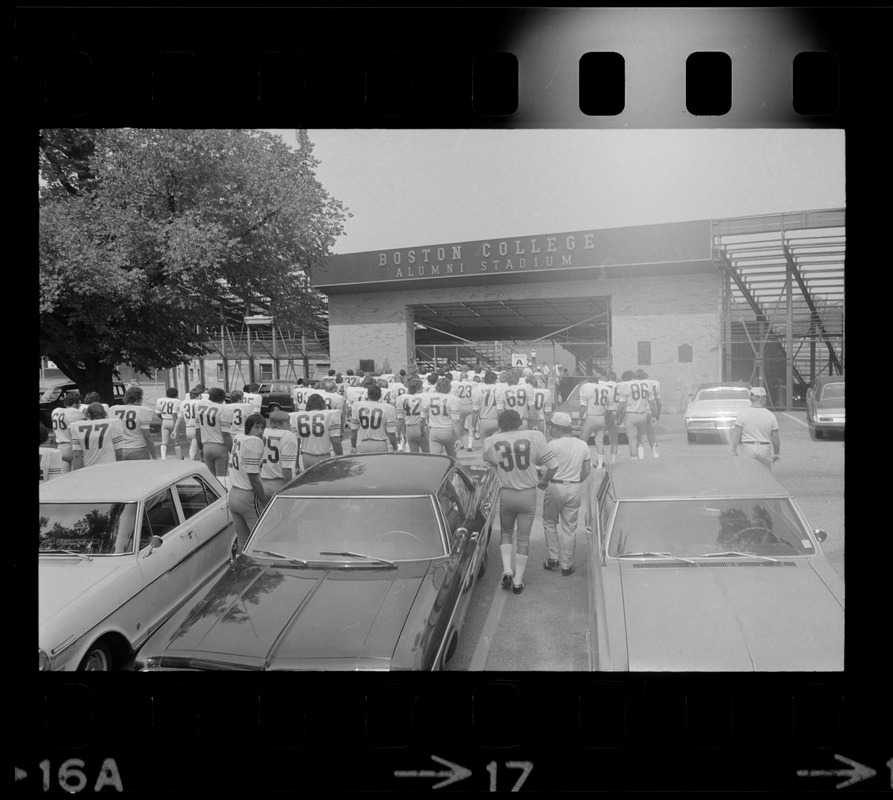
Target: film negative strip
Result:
[[495, 729]]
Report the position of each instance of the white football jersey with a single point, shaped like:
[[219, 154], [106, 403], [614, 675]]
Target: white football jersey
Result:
[[136, 420]]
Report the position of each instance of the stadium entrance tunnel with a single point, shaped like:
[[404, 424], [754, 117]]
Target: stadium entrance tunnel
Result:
[[573, 331]]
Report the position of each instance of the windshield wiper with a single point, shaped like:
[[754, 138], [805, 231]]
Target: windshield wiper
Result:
[[655, 555], [69, 553], [737, 553], [278, 555], [356, 555]]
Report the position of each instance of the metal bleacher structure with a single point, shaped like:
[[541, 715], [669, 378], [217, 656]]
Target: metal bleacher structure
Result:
[[290, 348], [784, 299]]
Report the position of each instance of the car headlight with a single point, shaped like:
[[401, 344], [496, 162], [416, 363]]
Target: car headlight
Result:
[[45, 662]]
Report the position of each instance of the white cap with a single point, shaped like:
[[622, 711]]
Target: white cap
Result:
[[561, 420]]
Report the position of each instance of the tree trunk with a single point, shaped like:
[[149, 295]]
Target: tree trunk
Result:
[[90, 376]]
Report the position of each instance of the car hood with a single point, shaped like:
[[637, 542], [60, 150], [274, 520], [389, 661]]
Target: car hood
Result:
[[62, 580], [710, 408], [731, 618], [267, 616]]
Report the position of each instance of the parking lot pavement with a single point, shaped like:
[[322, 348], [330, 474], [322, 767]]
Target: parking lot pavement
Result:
[[544, 628]]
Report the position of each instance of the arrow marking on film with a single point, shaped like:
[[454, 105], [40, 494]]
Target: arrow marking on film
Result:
[[859, 772], [20, 774], [453, 774]]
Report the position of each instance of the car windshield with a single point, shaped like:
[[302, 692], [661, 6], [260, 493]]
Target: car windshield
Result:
[[50, 395], [94, 529], [833, 391], [381, 527], [692, 528], [724, 393]]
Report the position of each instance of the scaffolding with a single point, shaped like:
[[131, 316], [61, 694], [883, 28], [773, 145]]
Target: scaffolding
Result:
[[783, 299]]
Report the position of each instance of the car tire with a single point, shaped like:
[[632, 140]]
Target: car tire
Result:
[[98, 658], [692, 438], [819, 434]]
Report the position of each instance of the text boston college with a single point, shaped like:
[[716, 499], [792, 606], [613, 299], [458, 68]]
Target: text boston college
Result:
[[513, 254]]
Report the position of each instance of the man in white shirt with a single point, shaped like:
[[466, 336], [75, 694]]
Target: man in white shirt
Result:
[[756, 430], [563, 494], [214, 442]]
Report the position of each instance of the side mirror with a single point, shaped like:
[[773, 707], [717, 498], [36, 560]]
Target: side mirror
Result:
[[155, 541], [461, 536], [820, 535]]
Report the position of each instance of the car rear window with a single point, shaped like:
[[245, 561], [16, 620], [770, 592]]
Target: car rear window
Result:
[[724, 394], [692, 528], [94, 529], [834, 391], [383, 527]]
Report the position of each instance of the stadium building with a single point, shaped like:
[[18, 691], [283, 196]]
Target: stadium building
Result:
[[747, 298]]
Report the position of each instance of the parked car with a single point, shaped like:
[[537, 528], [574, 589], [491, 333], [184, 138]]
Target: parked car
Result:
[[276, 394], [53, 397], [826, 405], [362, 562], [121, 547], [707, 563], [713, 407]]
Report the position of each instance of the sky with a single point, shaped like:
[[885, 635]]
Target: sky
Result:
[[409, 188]]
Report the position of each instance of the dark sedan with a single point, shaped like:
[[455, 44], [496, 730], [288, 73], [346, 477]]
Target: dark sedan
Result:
[[53, 397], [361, 563], [826, 405]]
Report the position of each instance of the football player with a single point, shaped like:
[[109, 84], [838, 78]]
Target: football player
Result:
[[97, 439], [463, 389], [653, 388], [319, 430], [539, 405], [634, 410], [373, 423], [483, 401], [280, 462], [234, 414], [168, 408], [594, 400], [93, 397], [409, 410], [63, 418], [439, 409], [247, 497], [136, 418], [189, 408], [214, 443], [513, 397], [50, 457]]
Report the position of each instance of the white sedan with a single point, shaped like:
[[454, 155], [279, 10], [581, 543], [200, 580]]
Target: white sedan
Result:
[[122, 546]]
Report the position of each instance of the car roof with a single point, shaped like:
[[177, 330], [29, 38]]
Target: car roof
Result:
[[123, 481], [825, 379], [694, 477], [724, 385], [372, 473]]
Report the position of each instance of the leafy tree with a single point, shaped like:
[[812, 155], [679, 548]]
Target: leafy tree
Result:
[[144, 232]]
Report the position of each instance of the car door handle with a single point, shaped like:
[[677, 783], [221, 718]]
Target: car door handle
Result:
[[475, 536], [187, 535]]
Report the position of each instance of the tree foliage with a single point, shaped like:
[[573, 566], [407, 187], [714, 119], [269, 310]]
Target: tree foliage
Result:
[[142, 232]]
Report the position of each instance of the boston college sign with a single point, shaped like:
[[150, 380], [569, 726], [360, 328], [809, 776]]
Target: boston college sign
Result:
[[563, 255]]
